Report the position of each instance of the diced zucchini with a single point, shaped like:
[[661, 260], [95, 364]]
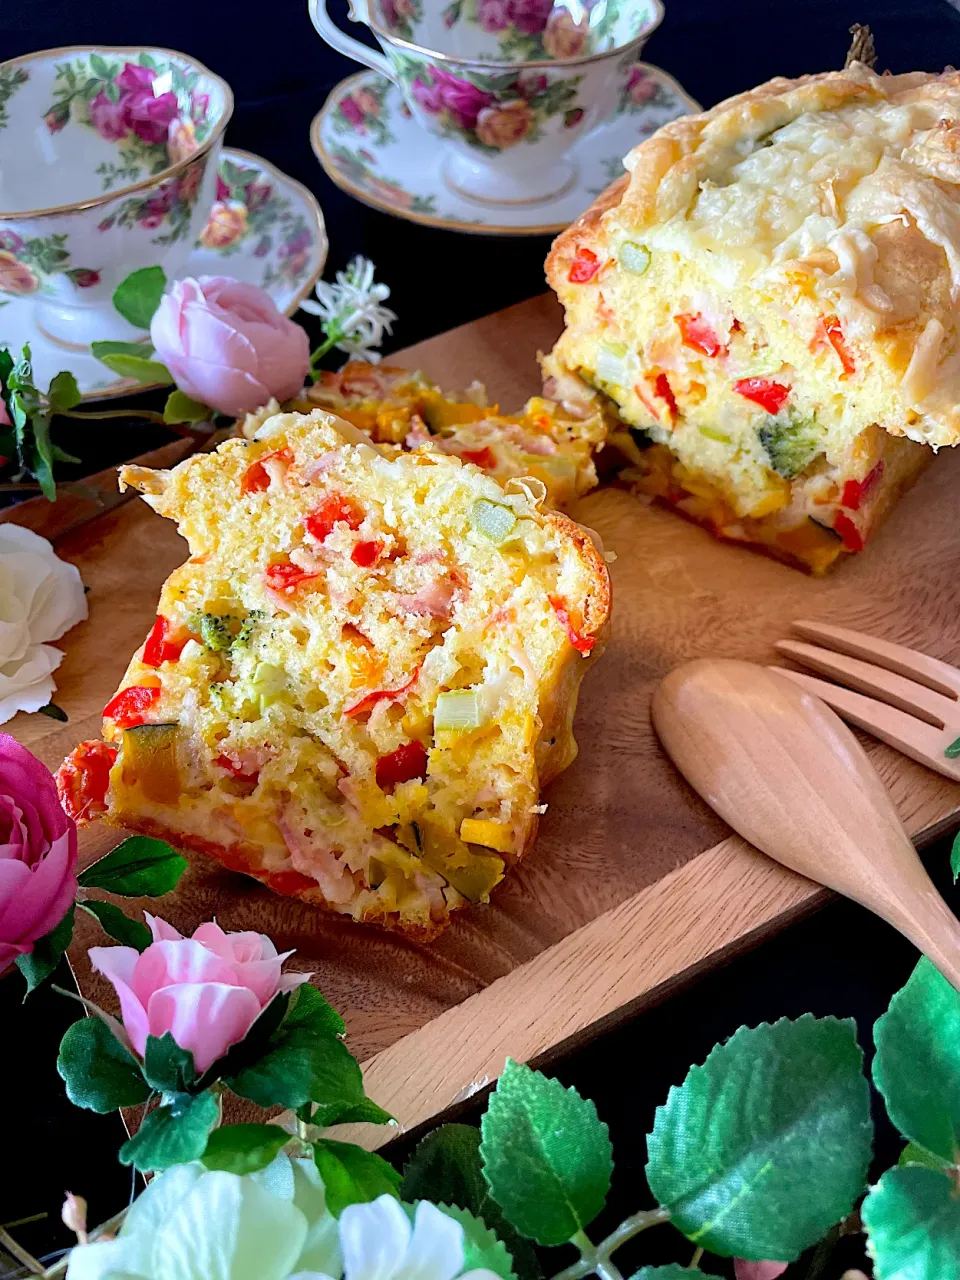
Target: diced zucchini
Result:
[[459, 709], [472, 874], [634, 257], [713, 434], [149, 761], [613, 366], [268, 681], [791, 442], [492, 520]]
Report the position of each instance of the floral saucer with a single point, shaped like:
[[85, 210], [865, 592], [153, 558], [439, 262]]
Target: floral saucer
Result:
[[369, 144], [265, 229]]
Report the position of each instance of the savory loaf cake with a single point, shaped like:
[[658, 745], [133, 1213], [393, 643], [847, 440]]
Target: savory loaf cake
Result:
[[359, 680], [402, 409], [771, 295]]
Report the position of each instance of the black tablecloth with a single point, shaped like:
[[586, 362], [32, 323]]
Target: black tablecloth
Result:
[[841, 961]]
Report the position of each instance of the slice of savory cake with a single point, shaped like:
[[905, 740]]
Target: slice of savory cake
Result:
[[357, 684], [769, 298], [401, 409]]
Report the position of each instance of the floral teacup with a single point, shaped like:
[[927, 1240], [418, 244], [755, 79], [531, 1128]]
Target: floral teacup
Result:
[[108, 163], [509, 84]]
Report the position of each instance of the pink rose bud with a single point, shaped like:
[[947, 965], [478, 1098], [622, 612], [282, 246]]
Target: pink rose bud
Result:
[[226, 344], [74, 1215], [207, 991], [38, 852], [744, 1270]]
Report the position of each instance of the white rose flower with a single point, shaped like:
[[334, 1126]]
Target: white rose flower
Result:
[[41, 598], [193, 1224], [379, 1243]]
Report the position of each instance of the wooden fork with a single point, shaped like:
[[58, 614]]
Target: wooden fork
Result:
[[912, 701]]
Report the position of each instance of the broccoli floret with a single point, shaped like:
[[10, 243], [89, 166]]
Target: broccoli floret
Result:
[[214, 629], [247, 627], [791, 442]]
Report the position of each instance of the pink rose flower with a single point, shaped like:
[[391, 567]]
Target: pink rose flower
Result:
[[744, 1270], [4, 416], [226, 344], [207, 991], [492, 15], [38, 852], [223, 191], [149, 117], [640, 86], [530, 83], [529, 16], [351, 111], [109, 118], [133, 77], [462, 100]]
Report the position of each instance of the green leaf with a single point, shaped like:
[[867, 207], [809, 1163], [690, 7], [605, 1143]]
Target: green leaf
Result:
[[99, 1073], [351, 1175], [167, 1067], [99, 67], [766, 1145], [481, 1248], [955, 858], [138, 296], [140, 867], [913, 1226], [142, 350], [917, 1064], [914, 1154], [446, 1166], [182, 408], [305, 1061], [173, 1134], [546, 1155], [45, 956], [244, 1148], [63, 392], [139, 368], [366, 1111], [54, 712], [131, 933]]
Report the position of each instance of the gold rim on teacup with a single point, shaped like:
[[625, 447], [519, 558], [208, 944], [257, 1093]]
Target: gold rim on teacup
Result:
[[497, 64], [155, 179]]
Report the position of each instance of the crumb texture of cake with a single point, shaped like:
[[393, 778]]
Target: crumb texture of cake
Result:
[[402, 409], [769, 292], [359, 680]]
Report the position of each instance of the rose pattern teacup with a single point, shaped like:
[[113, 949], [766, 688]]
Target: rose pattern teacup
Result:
[[511, 85], [108, 161]]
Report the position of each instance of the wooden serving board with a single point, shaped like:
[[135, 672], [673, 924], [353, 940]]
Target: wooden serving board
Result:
[[634, 885]]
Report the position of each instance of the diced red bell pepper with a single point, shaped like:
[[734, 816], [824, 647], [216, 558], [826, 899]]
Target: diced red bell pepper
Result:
[[157, 648], [699, 334], [337, 509], [370, 700], [366, 554], [854, 491], [584, 267], [403, 765], [128, 707], [848, 531], [289, 883], [663, 389], [286, 577], [257, 477], [583, 644], [83, 779], [768, 394], [830, 333], [480, 457], [238, 771]]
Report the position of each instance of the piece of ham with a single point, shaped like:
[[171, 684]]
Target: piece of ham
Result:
[[315, 858], [434, 599]]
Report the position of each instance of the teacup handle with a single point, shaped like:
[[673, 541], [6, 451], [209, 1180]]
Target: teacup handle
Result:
[[345, 44]]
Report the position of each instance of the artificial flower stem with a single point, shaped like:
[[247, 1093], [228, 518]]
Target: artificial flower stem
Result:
[[148, 414], [695, 1260], [595, 1260], [334, 336], [21, 1255]]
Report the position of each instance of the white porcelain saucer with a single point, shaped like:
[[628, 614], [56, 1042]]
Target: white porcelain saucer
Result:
[[265, 229], [369, 144]]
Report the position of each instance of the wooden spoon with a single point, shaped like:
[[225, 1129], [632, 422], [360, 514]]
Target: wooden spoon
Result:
[[786, 773]]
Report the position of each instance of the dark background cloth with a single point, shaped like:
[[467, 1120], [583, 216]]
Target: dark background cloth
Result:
[[841, 961]]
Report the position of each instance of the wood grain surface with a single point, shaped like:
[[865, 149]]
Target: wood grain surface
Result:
[[634, 884]]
